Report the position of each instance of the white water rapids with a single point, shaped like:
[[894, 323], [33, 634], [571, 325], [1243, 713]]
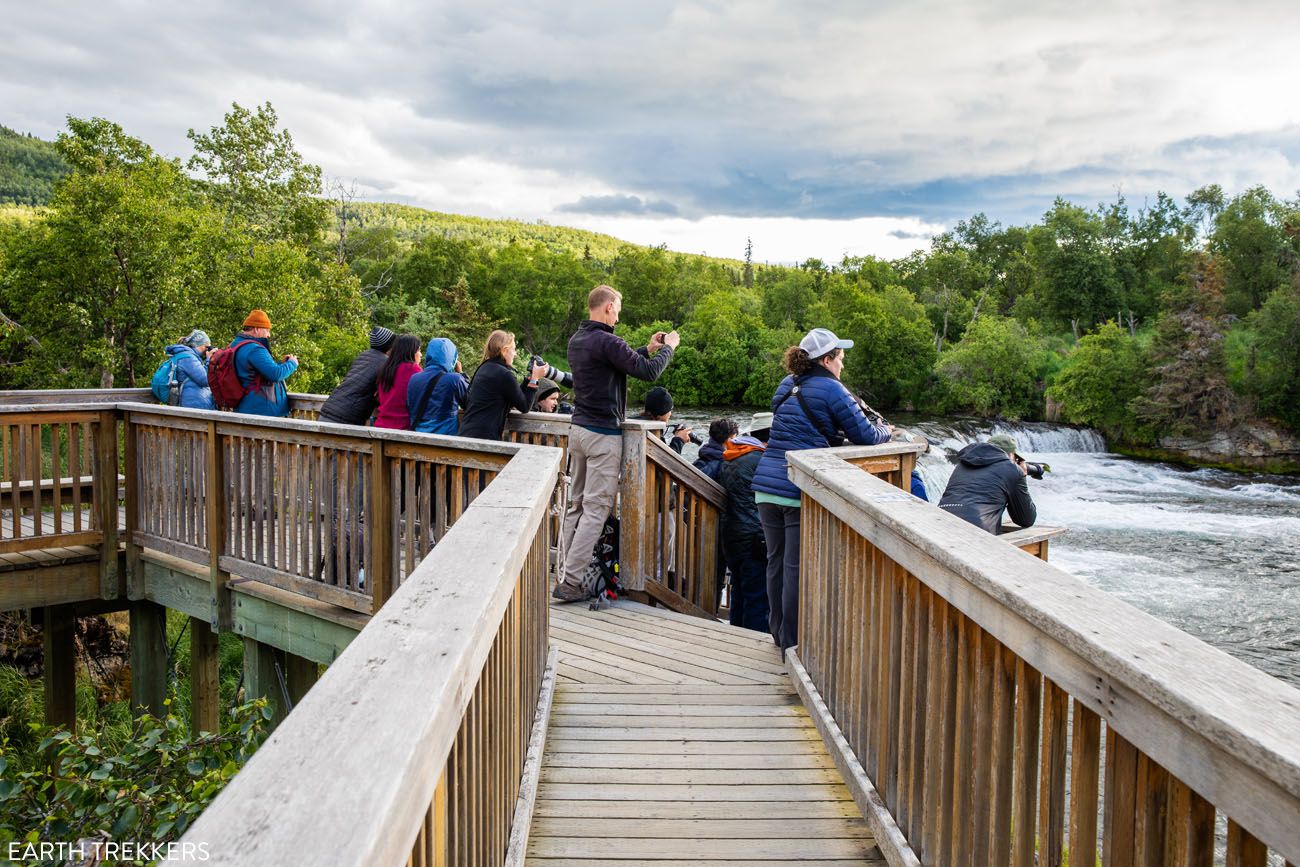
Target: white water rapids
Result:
[[1216, 554]]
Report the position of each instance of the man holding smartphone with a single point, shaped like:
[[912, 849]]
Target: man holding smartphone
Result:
[[601, 362]]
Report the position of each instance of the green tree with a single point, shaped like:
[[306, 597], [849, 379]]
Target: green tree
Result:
[[1275, 378], [98, 285], [893, 352], [1255, 254], [1077, 285], [1101, 379], [991, 370], [257, 175]]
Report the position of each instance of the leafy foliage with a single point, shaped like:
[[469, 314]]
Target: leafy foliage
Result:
[[1101, 380], [149, 788], [991, 371]]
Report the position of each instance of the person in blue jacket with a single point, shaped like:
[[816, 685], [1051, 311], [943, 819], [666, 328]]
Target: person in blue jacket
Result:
[[190, 361], [811, 410], [435, 395], [255, 365]]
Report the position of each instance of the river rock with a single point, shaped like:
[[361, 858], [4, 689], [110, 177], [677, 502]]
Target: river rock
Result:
[[1255, 445]]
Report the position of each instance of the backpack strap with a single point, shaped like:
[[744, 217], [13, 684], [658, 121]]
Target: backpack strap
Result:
[[796, 391], [424, 400]]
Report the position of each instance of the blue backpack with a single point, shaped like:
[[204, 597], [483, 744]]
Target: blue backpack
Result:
[[166, 386]]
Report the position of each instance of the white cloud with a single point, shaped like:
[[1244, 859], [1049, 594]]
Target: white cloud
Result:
[[777, 240]]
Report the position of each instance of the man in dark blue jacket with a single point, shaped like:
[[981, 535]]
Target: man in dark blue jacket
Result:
[[601, 362], [988, 478]]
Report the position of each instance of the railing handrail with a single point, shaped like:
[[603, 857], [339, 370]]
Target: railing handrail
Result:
[[685, 473], [360, 756], [1225, 728]]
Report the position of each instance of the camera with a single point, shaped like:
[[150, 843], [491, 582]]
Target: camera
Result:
[[696, 438], [562, 378], [1034, 470]]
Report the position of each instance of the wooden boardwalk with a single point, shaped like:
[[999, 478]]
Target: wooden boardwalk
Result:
[[674, 740]]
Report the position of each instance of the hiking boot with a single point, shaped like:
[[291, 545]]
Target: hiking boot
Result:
[[566, 592]]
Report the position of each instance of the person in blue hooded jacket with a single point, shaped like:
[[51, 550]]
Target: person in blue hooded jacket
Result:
[[811, 410], [190, 361], [254, 365], [435, 395]]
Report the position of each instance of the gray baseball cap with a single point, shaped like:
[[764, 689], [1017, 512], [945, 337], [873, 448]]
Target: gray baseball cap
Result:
[[820, 341]]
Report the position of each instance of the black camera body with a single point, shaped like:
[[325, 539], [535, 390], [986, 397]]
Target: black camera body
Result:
[[562, 378], [673, 428]]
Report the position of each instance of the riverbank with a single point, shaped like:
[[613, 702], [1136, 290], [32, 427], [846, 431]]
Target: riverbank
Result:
[[1254, 447]]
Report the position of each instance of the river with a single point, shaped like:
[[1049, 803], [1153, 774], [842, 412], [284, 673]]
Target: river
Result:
[[1216, 554]]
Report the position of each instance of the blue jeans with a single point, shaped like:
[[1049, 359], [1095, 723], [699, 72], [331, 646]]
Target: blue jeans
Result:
[[781, 532]]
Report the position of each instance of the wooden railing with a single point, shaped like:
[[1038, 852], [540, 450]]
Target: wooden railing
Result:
[[337, 513], [683, 514], [970, 681], [441, 685], [438, 693]]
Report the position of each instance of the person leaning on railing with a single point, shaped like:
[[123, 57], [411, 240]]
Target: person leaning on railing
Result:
[[190, 360], [494, 391], [601, 362], [811, 410], [403, 363], [435, 395], [353, 400], [989, 477]]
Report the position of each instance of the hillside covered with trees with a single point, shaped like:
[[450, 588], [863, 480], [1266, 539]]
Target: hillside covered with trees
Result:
[[1168, 318]]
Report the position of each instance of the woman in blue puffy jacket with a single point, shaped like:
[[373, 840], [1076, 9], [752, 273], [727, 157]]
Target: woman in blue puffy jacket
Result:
[[811, 410], [190, 361]]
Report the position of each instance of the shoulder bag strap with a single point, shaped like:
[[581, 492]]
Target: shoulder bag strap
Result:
[[424, 399]]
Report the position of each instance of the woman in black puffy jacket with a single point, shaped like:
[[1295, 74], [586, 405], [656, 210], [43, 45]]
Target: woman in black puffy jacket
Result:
[[494, 391]]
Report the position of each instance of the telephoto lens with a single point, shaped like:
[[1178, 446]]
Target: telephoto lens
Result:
[[562, 378], [1036, 470]]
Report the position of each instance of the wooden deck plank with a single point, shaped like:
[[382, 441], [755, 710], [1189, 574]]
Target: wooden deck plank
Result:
[[650, 809], [726, 768], [763, 654], [692, 776], [735, 849], [692, 658], [742, 761], [699, 829], [870, 861]]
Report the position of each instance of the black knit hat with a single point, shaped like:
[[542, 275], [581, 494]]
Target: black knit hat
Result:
[[381, 338], [658, 401]]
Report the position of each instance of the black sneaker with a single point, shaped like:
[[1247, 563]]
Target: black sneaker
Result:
[[566, 592]]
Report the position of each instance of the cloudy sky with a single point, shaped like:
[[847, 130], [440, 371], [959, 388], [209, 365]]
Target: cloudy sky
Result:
[[818, 128]]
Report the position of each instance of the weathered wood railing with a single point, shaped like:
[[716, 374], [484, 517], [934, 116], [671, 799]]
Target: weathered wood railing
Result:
[[337, 513], [49, 467], [440, 687], [970, 681], [438, 691], [683, 516]]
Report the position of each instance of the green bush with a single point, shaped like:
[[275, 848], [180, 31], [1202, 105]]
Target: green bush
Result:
[[150, 788], [991, 371], [1101, 379]]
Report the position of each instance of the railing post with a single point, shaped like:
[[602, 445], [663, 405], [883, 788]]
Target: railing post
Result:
[[106, 485], [58, 626], [379, 526], [148, 643], [205, 702], [221, 617], [135, 584], [632, 509]]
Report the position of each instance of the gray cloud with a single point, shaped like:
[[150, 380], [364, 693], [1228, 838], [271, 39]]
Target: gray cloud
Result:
[[842, 109], [619, 205]]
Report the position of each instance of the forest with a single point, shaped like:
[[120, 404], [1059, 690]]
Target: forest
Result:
[[1165, 316]]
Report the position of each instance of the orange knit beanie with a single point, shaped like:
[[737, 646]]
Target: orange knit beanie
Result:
[[257, 319]]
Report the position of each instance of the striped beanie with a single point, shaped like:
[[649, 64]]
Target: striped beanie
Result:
[[381, 338]]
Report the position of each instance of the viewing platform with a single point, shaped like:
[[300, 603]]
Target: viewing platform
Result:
[[954, 698]]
